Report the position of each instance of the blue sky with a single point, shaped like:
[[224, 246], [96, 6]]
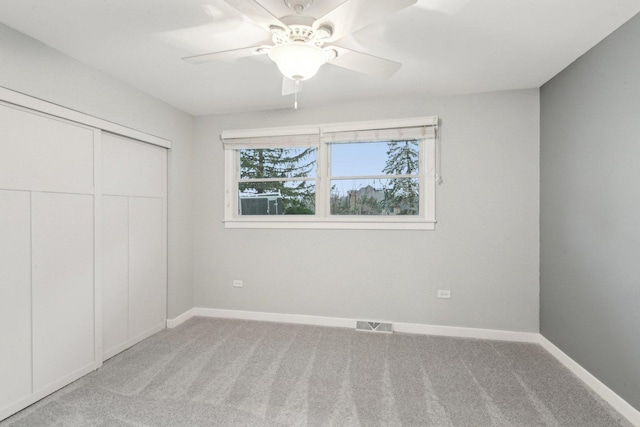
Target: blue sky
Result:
[[367, 158]]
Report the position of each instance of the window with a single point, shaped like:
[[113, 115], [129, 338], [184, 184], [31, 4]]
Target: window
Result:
[[277, 181], [347, 175], [375, 178]]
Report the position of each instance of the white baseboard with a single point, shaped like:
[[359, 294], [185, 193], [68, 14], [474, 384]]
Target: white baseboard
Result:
[[179, 320], [340, 322], [617, 402], [299, 319], [461, 332]]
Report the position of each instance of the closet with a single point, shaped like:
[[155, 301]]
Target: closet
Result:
[[83, 271], [133, 253]]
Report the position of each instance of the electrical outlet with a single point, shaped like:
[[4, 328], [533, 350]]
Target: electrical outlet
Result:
[[442, 293], [237, 283]]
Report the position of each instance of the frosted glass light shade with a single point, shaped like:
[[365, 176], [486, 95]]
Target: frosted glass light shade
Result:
[[298, 61]]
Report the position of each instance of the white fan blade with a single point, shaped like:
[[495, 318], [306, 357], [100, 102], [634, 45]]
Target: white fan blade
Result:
[[363, 63], [289, 86], [353, 15], [227, 54], [257, 13]]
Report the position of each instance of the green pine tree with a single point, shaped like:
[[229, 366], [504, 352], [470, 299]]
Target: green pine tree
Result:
[[298, 196], [402, 194]]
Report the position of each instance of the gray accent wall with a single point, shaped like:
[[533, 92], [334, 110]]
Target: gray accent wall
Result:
[[35, 69], [485, 247], [590, 211]]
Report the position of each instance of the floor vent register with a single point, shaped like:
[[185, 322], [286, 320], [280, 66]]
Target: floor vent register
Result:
[[367, 326]]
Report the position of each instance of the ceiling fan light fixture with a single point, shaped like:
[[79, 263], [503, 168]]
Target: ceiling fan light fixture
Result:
[[298, 61]]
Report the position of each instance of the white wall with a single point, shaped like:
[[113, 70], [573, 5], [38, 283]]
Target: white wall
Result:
[[590, 234], [485, 248], [32, 68]]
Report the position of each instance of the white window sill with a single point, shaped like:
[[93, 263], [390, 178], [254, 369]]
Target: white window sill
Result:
[[331, 224]]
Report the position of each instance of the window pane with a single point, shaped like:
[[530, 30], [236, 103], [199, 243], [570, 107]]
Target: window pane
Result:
[[277, 198], [278, 163], [397, 196], [375, 158]]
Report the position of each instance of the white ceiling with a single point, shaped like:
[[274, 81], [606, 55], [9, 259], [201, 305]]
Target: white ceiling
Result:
[[445, 46]]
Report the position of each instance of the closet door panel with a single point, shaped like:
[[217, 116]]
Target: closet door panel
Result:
[[44, 154], [130, 167], [115, 272], [15, 296], [147, 269], [63, 286]]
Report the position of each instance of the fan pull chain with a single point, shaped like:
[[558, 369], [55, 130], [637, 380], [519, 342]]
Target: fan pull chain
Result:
[[295, 94]]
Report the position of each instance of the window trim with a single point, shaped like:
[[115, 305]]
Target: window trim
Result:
[[234, 140]]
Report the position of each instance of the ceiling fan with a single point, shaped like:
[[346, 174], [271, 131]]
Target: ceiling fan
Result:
[[302, 43]]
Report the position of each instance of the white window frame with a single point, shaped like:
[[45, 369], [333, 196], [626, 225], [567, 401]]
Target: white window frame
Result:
[[321, 137]]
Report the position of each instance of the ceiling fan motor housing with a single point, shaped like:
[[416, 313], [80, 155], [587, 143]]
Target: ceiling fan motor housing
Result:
[[301, 33]]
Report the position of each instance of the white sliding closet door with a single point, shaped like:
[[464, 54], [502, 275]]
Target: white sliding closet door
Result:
[[47, 262], [40, 153], [82, 245], [134, 241], [15, 296], [147, 269], [63, 286], [115, 272]]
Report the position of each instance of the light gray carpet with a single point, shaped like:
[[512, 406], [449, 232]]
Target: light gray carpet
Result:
[[213, 372]]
